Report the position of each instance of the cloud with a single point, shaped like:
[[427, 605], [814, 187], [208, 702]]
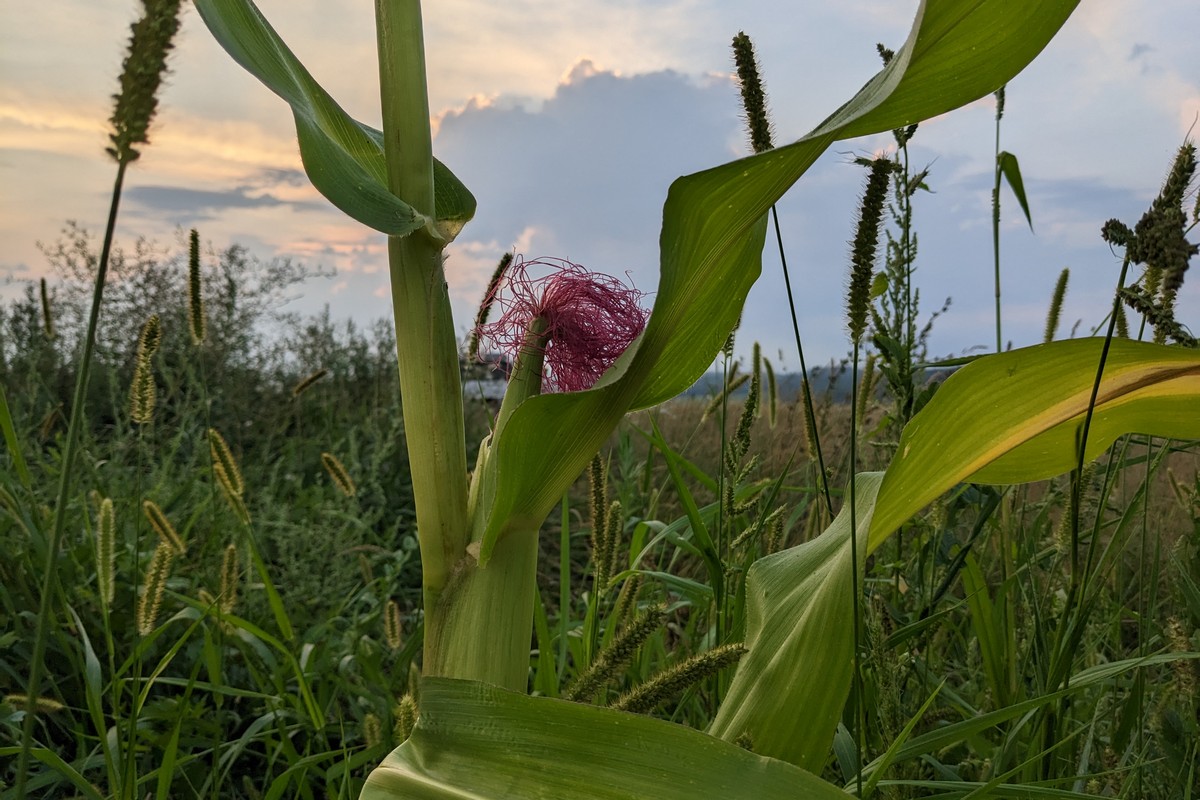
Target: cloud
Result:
[[1138, 50], [582, 176], [569, 121], [175, 203]]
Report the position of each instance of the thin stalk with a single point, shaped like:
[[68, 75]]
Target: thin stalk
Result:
[[1144, 610], [910, 324], [996, 216], [860, 716], [810, 408], [1076, 586], [49, 583], [1087, 424], [719, 589], [426, 350]]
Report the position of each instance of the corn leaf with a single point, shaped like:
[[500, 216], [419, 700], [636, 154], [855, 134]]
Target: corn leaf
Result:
[[476, 741], [711, 248], [1025, 409], [789, 689], [343, 157]]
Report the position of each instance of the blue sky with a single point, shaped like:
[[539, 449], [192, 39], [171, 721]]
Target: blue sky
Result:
[[568, 120]]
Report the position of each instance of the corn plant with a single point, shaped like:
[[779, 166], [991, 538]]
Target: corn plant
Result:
[[1036, 412]]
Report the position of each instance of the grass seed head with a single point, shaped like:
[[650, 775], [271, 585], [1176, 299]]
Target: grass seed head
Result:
[[142, 393], [671, 682], [47, 315], [41, 705], [196, 318], [393, 625], [106, 535], [372, 730], [155, 584], [1056, 302], [224, 464], [338, 473], [489, 299], [754, 99], [163, 527], [230, 577], [405, 716], [865, 246], [141, 77], [304, 385], [616, 656]]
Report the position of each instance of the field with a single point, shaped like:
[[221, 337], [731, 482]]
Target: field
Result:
[[273, 653]]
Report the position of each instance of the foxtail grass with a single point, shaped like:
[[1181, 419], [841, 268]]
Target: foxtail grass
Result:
[[858, 300], [339, 474], [163, 527], [106, 558], [225, 464], [405, 718], [197, 320], [616, 656], [393, 625], [154, 587], [142, 392], [1056, 303], [674, 681], [758, 124], [135, 107], [308, 382]]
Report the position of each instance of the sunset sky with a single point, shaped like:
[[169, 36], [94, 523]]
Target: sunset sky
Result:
[[568, 120]]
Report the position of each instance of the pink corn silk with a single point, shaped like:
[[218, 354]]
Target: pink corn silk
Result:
[[591, 320]]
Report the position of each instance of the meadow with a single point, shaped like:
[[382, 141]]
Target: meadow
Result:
[[247, 557]]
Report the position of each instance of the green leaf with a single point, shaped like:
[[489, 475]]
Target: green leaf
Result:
[[988, 628], [13, 442], [956, 49], [789, 689], [343, 157], [477, 741], [1026, 408], [711, 248], [1011, 170]]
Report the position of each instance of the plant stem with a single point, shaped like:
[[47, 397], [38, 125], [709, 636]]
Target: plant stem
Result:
[[49, 584], [426, 350], [479, 628], [996, 222], [805, 387], [860, 715]]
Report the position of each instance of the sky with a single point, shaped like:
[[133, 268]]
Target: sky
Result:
[[568, 120]]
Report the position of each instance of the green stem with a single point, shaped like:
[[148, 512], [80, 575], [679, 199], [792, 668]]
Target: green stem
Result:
[[996, 230], [49, 584], [426, 350], [860, 715], [479, 627]]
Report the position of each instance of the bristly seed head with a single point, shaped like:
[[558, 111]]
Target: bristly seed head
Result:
[[196, 318], [865, 245], [754, 99], [590, 320], [142, 76]]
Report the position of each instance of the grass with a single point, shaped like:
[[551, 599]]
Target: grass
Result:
[[292, 687]]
